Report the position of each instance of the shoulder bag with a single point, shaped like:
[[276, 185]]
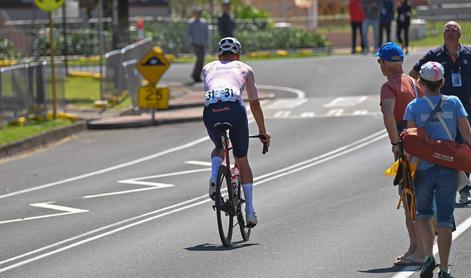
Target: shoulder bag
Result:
[[446, 153]]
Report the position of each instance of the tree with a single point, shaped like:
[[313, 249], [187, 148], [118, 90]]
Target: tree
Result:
[[89, 6], [120, 20]]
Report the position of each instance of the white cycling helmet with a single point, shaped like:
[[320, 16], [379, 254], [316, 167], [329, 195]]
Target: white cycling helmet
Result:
[[229, 44]]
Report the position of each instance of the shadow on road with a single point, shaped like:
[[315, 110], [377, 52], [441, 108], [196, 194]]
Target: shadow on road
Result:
[[462, 205], [213, 247], [388, 269]]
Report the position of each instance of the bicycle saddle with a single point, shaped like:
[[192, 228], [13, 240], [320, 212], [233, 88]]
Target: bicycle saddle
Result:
[[222, 126]]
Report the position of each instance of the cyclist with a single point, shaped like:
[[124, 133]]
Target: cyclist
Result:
[[224, 82]]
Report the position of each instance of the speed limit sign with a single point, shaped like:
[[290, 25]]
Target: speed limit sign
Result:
[[151, 97]]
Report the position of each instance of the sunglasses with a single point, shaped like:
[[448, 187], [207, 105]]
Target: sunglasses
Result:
[[449, 30], [379, 61]]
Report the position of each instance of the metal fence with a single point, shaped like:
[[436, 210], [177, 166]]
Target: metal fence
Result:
[[120, 75], [26, 90]]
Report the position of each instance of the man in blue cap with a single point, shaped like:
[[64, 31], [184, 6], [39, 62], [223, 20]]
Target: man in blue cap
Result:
[[395, 94]]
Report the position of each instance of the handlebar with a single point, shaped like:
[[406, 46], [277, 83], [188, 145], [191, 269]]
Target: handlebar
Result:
[[265, 145]]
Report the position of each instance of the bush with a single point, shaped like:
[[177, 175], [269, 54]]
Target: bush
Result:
[[79, 42], [280, 38], [7, 49]]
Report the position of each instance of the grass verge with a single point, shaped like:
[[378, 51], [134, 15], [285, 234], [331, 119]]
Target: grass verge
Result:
[[11, 134]]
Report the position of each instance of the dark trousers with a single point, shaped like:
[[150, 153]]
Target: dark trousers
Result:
[[200, 53], [459, 138], [384, 26], [403, 27], [356, 26]]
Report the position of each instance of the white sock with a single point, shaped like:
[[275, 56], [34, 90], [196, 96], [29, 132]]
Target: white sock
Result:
[[216, 161], [248, 197]]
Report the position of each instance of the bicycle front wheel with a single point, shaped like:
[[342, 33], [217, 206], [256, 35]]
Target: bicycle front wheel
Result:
[[224, 205]]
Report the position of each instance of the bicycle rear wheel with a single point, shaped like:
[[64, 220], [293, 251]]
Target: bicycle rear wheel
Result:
[[224, 205], [244, 230]]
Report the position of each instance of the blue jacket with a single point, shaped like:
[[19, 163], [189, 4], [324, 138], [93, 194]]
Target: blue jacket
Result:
[[387, 11]]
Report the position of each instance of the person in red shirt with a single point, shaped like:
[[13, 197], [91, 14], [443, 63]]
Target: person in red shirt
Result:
[[395, 94], [356, 20]]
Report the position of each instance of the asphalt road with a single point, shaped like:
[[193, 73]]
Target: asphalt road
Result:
[[133, 202]]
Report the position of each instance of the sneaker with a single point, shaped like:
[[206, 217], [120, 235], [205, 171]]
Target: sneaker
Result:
[[465, 197], [428, 267], [251, 219], [212, 189], [443, 274]]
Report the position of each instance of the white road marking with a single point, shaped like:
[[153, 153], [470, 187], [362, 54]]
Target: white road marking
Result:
[[287, 103], [106, 170], [360, 112], [199, 163], [299, 93], [410, 270], [47, 205], [184, 205], [346, 101], [151, 185], [334, 112], [308, 115], [282, 114]]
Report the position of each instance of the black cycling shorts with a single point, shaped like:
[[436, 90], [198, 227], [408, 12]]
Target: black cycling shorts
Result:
[[235, 114]]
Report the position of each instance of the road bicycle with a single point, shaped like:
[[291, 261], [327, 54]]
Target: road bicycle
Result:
[[229, 202]]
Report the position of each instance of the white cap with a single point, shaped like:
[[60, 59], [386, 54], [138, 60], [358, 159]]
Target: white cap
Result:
[[432, 71]]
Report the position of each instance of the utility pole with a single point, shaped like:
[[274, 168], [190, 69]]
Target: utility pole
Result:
[[101, 38], [64, 27]]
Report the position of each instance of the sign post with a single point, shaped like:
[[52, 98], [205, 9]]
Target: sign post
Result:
[[152, 66], [48, 6]]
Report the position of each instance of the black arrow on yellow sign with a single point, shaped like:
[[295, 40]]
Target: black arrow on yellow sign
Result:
[[153, 61]]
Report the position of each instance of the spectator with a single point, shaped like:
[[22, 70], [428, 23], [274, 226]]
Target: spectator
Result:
[[226, 23], [356, 19], [456, 60], [387, 15], [198, 36], [434, 181], [395, 94], [372, 10], [404, 12]]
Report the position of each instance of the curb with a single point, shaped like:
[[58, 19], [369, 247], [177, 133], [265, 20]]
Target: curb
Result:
[[40, 140], [141, 123]]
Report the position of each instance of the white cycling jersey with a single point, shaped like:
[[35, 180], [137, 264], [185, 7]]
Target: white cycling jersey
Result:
[[226, 81]]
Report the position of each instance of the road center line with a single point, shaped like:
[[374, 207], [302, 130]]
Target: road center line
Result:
[[366, 141]]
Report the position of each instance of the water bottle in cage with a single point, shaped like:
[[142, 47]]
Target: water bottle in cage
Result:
[[235, 177]]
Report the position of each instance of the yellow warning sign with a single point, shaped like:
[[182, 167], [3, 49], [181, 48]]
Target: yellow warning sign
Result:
[[153, 65], [48, 5], [150, 97]]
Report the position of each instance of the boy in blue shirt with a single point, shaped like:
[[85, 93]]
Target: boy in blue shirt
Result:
[[434, 180]]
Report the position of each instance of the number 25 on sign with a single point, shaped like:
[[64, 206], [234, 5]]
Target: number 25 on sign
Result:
[[151, 97]]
